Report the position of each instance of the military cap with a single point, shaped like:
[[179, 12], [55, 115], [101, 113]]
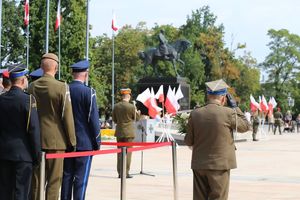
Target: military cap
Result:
[[81, 66], [17, 70], [125, 91], [218, 87], [3, 72], [51, 56], [37, 73]]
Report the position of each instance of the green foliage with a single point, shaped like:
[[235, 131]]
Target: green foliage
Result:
[[182, 121]]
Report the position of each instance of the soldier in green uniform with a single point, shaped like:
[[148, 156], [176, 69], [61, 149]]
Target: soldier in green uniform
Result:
[[56, 124], [278, 119], [210, 130], [255, 124], [124, 115]]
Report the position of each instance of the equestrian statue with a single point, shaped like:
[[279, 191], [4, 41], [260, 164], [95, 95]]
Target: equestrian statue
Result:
[[165, 52]]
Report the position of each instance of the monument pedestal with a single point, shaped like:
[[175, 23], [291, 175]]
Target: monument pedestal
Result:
[[173, 82]]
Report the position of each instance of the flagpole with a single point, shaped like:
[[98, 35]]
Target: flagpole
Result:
[[47, 26], [27, 56], [87, 36], [59, 65], [113, 72]]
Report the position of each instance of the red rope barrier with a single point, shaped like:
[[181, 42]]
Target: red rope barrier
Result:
[[146, 145], [81, 154], [128, 143], [149, 146]]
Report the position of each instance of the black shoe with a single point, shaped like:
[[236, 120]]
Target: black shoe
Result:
[[129, 176], [255, 140]]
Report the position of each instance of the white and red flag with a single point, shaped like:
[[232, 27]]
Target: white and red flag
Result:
[[253, 104], [153, 109], [178, 96], [26, 13], [171, 103], [148, 99], [58, 17], [263, 104], [272, 104], [160, 94], [114, 23]]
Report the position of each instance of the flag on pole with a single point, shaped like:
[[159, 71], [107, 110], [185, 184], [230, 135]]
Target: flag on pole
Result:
[[113, 23], [58, 17], [160, 94], [178, 96], [272, 104], [148, 99], [253, 104], [171, 103], [26, 13], [264, 105], [153, 109]]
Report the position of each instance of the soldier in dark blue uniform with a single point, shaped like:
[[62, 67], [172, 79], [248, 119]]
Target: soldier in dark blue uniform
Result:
[[87, 128], [20, 146]]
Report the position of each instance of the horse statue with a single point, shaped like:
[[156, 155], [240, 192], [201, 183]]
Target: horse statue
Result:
[[152, 55]]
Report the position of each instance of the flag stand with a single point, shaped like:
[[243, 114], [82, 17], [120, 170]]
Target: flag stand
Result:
[[142, 155]]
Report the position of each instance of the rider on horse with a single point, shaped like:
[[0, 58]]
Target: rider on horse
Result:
[[163, 45]]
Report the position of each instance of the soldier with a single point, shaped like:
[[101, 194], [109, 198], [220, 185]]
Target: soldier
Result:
[[210, 134], [278, 119], [163, 44], [87, 128], [255, 124], [56, 123], [20, 146], [124, 114]]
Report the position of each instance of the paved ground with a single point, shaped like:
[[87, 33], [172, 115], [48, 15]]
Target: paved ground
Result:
[[267, 170]]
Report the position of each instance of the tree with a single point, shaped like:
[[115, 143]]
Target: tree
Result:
[[282, 63], [13, 38]]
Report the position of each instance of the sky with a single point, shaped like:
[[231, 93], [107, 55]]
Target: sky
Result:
[[245, 21]]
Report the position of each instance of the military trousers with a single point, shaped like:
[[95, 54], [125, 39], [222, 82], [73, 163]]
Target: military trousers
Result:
[[53, 179], [128, 157], [15, 179], [210, 184], [75, 177]]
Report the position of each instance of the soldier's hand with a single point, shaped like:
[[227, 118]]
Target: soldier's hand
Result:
[[71, 149], [231, 101]]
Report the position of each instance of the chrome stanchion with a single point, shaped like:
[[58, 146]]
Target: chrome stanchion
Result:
[[123, 173], [42, 176], [174, 161]]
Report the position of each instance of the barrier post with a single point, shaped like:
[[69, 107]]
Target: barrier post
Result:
[[174, 161], [123, 173], [42, 176]]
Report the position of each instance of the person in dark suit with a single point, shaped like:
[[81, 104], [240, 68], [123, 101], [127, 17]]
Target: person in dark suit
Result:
[[56, 123], [20, 146], [124, 114], [210, 134], [87, 129]]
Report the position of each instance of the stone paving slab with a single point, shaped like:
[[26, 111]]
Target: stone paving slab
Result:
[[267, 170]]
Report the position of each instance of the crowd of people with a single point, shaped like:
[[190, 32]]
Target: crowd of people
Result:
[[46, 119]]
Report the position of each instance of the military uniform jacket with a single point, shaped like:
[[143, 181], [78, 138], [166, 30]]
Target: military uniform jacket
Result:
[[86, 117], [19, 127], [124, 115], [210, 131], [55, 113]]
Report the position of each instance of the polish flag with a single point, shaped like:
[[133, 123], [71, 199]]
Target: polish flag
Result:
[[148, 99], [153, 109], [113, 23], [26, 13], [253, 104], [264, 105], [58, 17], [160, 94], [171, 103], [272, 104], [178, 96]]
